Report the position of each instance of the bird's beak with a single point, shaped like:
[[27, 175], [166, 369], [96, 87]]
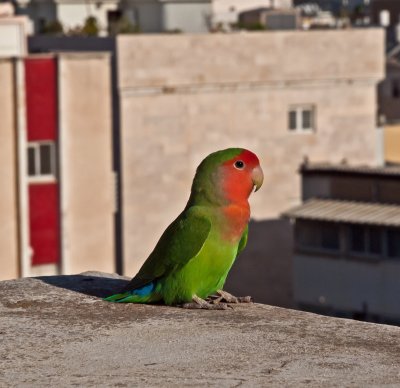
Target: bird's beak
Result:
[[257, 176]]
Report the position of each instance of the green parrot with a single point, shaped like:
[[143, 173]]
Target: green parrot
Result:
[[192, 259]]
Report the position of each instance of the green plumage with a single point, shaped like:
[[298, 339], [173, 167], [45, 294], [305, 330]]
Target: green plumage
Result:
[[193, 256]]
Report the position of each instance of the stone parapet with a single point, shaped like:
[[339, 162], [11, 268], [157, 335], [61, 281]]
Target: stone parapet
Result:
[[57, 331]]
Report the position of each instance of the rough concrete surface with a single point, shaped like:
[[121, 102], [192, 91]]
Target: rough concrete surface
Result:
[[56, 331]]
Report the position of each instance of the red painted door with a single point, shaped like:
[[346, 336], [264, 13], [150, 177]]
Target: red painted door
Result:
[[43, 219], [41, 105]]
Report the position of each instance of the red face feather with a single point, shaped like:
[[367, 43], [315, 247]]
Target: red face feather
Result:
[[239, 176]]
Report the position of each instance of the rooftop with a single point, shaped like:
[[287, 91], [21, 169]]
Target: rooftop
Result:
[[346, 211], [393, 170], [56, 331]]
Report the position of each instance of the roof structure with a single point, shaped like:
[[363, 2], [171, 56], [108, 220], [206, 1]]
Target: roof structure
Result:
[[346, 212], [393, 170]]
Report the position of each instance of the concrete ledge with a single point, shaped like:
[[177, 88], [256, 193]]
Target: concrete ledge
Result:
[[55, 331]]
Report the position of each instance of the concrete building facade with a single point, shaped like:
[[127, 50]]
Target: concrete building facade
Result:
[[9, 265], [347, 251], [392, 143], [87, 180], [58, 194], [389, 106]]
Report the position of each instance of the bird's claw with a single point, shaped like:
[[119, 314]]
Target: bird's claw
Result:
[[208, 306], [226, 297], [198, 303]]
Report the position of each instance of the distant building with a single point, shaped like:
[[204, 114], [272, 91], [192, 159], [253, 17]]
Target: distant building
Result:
[[137, 15], [389, 92], [312, 16], [386, 13], [347, 241], [225, 13], [392, 143], [343, 12], [269, 19], [57, 197], [335, 6], [13, 32], [71, 14], [389, 105], [192, 16]]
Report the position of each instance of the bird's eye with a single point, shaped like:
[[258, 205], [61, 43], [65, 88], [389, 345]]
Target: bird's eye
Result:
[[239, 165]]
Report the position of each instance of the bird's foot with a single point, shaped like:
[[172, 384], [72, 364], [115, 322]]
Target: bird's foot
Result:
[[198, 303], [226, 297]]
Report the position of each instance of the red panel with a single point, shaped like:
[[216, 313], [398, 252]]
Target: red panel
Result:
[[41, 98], [44, 223]]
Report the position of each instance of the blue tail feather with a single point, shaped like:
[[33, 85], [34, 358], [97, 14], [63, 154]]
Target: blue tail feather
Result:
[[145, 290], [138, 295]]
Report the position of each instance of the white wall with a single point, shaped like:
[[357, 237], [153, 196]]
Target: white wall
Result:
[[74, 14], [13, 34], [189, 17]]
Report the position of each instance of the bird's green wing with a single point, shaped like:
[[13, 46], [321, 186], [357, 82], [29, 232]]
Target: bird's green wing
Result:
[[180, 242], [243, 240]]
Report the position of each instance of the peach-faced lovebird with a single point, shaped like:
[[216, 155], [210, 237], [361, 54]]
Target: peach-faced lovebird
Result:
[[195, 253]]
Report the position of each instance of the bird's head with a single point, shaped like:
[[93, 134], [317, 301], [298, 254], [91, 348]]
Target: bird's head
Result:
[[227, 176]]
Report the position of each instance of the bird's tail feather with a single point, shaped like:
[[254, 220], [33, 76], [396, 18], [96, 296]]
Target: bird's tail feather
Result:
[[128, 297], [145, 294]]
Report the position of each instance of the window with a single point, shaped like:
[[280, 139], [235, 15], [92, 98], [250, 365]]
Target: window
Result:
[[393, 243], [318, 235], [366, 240], [330, 236], [357, 239], [302, 118], [396, 88], [375, 245], [41, 160]]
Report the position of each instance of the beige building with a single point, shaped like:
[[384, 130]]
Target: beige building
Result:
[[9, 263], [392, 143], [57, 194], [284, 95], [389, 106], [87, 181]]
